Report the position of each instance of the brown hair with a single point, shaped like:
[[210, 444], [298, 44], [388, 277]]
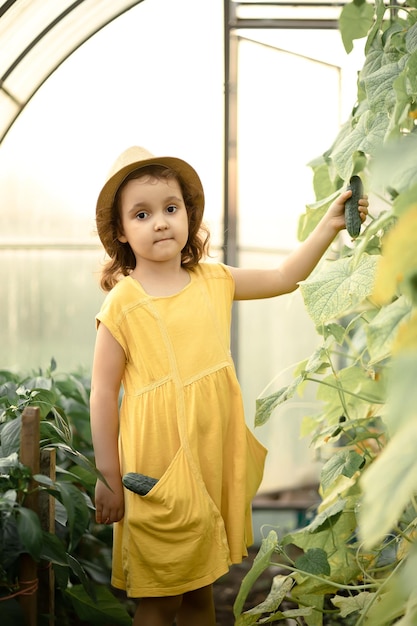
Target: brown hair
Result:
[[122, 260]]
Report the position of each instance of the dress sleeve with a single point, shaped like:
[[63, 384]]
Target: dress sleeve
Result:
[[221, 275], [111, 315]]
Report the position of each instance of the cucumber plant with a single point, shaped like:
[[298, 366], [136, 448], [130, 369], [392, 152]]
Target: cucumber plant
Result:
[[357, 558]]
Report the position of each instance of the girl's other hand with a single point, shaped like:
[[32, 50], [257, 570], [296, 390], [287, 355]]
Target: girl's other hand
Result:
[[109, 502]]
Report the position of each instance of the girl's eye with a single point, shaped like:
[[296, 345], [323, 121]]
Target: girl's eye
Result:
[[171, 208], [141, 215]]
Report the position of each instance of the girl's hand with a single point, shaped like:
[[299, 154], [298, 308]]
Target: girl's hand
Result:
[[336, 212], [109, 503]]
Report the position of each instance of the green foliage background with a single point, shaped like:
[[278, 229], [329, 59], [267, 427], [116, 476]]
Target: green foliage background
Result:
[[79, 550], [358, 558]]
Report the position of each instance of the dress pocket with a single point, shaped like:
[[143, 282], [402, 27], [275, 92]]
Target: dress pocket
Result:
[[176, 522]]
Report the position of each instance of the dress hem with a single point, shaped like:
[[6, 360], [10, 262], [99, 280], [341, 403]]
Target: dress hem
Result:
[[154, 592]]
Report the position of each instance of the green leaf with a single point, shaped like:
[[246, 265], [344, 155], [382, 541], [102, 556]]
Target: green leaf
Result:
[[265, 406], [400, 597], [79, 475], [77, 511], [354, 22], [314, 213], [72, 387], [8, 462], [334, 330], [351, 604], [411, 38], [8, 500], [290, 614], [246, 620], [53, 549], [315, 602], [344, 462], [350, 393], [405, 91], [332, 535], [337, 287], [77, 458], [389, 606], [327, 517], [404, 200], [324, 187], [370, 240], [314, 561], [30, 531], [10, 436], [395, 165], [36, 383], [81, 574], [372, 36], [44, 399], [402, 400], [281, 586], [11, 546], [261, 562], [106, 610], [397, 268], [382, 330], [379, 87], [51, 433], [366, 137], [62, 423], [388, 484], [61, 576]]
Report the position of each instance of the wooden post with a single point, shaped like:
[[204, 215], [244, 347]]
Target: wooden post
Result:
[[47, 517], [29, 456]]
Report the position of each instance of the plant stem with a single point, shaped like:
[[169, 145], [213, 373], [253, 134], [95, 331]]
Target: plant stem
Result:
[[351, 393], [377, 595], [326, 581]]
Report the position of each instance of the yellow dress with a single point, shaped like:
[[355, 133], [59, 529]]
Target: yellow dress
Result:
[[182, 422]]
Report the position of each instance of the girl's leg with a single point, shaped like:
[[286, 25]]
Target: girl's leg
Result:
[[157, 611], [197, 608]]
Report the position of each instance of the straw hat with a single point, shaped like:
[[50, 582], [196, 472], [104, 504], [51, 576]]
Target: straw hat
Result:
[[132, 159]]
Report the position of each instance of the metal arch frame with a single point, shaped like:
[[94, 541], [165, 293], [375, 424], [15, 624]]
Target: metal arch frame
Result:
[[232, 23], [57, 20]]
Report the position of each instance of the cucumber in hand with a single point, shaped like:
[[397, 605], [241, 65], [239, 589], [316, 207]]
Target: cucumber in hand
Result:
[[352, 216]]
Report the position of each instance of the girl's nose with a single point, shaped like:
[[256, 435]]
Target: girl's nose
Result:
[[161, 224]]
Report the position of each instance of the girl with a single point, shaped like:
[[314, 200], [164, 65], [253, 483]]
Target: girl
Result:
[[163, 333]]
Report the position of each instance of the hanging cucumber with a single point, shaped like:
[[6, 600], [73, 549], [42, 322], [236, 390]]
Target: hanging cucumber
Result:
[[352, 217], [139, 483]]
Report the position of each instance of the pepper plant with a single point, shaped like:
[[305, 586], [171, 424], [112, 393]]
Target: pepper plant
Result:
[[78, 550], [357, 558]]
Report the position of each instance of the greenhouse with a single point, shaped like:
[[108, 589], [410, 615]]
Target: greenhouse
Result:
[[60, 136], [276, 105]]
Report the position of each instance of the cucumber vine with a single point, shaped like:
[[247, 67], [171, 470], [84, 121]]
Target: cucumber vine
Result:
[[358, 555]]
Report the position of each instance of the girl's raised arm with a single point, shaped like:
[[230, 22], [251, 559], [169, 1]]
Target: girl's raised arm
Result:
[[251, 284], [108, 367]]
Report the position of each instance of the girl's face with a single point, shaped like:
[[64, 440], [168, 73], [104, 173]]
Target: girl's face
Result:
[[154, 219]]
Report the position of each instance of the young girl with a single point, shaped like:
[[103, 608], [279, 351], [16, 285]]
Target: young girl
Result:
[[163, 333]]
